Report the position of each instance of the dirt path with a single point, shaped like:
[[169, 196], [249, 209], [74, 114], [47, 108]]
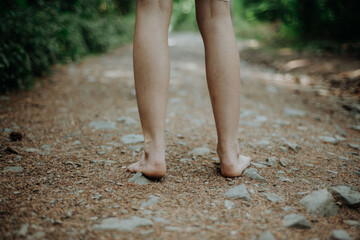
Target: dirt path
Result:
[[67, 179]]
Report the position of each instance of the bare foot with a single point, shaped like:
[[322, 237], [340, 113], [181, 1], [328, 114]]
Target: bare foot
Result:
[[236, 168], [151, 169]]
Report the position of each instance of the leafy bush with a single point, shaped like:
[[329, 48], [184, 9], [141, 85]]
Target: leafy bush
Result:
[[36, 34], [321, 19]]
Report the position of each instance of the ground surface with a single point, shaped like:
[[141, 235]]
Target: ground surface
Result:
[[68, 174]]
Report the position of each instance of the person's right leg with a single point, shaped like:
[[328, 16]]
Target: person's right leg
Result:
[[152, 74], [223, 77]]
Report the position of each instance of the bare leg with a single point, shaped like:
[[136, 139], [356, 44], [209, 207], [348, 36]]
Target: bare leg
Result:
[[223, 77], [152, 74]]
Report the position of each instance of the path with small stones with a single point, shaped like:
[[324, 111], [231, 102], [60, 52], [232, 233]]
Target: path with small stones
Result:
[[65, 146]]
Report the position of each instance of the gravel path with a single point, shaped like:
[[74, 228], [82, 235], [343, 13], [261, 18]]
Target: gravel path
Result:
[[65, 146]]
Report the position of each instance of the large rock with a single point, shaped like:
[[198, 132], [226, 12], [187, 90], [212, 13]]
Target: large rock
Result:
[[349, 196], [128, 224], [266, 236], [320, 202], [132, 139], [340, 235], [238, 192], [296, 221], [139, 179], [253, 174]]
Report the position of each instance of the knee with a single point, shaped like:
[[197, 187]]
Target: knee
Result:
[[211, 13], [158, 6]]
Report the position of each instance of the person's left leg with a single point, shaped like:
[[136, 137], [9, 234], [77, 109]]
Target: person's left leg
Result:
[[223, 77]]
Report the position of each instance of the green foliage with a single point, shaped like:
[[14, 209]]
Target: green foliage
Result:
[[315, 19], [35, 34], [183, 17]]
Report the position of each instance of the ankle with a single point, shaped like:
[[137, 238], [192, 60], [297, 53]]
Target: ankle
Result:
[[154, 145], [227, 148]]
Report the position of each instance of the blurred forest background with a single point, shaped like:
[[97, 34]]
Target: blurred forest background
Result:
[[35, 34]]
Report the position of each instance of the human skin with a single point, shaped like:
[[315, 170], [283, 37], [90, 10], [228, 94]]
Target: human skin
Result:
[[152, 81]]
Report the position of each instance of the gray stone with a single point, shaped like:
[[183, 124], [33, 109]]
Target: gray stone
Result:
[[37, 235], [128, 224], [287, 209], [229, 204], [173, 229], [259, 165], [320, 202], [340, 138], [344, 158], [32, 150], [4, 98], [333, 172], [139, 179], [146, 233], [239, 192], [284, 179], [340, 235], [353, 223], [354, 146], [201, 151], [357, 127], [23, 230], [349, 196], [161, 220], [263, 143], [271, 89], [284, 149], [340, 130], [266, 236], [132, 139], [6, 130], [285, 161], [293, 146], [296, 221], [253, 174], [271, 161], [251, 124], [281, 123], [185, 160], [127, 120], [273, 197], [103, 125], [13, 169], [46, 147], [152, 200], [136, 148], [294, 112], [329, 139], [260, 118]]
